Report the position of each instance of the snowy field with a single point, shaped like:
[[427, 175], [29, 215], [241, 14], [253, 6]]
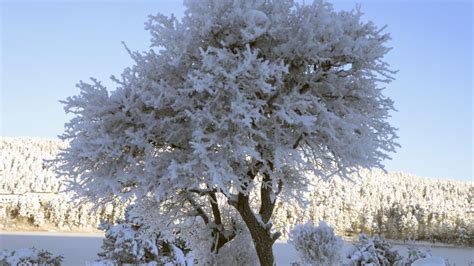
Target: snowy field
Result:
[[79, 248]]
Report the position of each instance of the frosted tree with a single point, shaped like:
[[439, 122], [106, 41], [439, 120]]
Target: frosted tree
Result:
[[236, 97]]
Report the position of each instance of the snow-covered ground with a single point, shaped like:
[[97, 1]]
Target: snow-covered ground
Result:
[[76, 248], [79, 248], [459, 256]]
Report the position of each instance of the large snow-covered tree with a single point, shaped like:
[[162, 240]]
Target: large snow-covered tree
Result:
[[238, 98]]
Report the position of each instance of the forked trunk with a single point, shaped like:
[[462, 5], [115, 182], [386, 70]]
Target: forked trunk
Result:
[[261, 236]]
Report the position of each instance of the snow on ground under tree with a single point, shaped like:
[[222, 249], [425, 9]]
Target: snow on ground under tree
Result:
[[79, 248]]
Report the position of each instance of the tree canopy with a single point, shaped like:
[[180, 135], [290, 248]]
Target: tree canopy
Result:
[[236, 96]]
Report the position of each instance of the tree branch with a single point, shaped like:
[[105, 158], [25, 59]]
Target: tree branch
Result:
[[215, 208], [202, 192], [198, 208], [219, 230], [297, 142]]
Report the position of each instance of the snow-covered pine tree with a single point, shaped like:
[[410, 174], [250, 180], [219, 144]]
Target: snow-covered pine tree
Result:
[[237, 96]]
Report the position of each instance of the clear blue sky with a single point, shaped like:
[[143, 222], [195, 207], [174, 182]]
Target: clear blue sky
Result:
[[48, 46]]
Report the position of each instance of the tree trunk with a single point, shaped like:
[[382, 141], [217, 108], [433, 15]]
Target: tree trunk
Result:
[[258, 225], [264, 246], [261, 236], [220, 238]]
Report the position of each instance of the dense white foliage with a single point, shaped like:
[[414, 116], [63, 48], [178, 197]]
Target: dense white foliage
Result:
[[235, 91], [316, 245], [29, 256], [290, 86]]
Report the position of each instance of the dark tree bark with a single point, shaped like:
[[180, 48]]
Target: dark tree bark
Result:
[[220, 238], [261, 236], [260, 231]]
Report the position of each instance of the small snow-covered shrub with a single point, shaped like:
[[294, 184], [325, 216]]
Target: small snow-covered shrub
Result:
[[415, 253], [374, 251], [29, 256], [316, 245], [128, 241]]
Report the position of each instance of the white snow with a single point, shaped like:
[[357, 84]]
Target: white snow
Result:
[[78, 249], [21, 253], [431, 261]]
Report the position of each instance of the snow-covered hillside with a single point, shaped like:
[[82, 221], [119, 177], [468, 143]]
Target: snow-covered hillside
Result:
[[32, 194], [396, 205], [22, 165]]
